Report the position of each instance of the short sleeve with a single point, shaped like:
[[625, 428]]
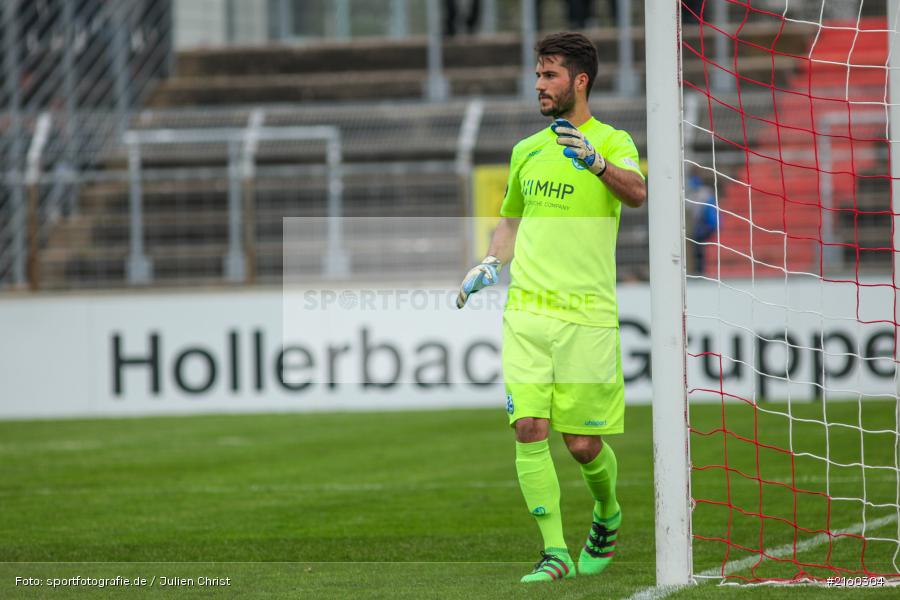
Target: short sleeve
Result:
[[513, 201], [621, 151]]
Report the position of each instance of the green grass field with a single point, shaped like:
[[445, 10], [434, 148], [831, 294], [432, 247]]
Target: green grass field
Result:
[[392, 505]]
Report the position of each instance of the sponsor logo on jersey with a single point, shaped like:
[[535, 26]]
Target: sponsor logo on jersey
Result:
[[548, 189]]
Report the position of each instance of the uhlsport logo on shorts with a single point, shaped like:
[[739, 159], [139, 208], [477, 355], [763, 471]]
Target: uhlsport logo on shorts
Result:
[[509, 404], [595, 423]]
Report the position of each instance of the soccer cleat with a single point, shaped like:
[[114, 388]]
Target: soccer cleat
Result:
[[552, 566], [600, 548]]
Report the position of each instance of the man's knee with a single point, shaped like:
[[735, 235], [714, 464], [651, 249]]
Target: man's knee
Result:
[[531, 429], [584, 448]]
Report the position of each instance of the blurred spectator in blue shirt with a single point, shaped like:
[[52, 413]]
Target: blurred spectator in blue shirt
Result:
[[704, 222]]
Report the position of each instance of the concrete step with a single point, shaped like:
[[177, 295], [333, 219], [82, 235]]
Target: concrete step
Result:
[[332, 56], [385, 69], [438, 196], [392, 84], [335, 56]]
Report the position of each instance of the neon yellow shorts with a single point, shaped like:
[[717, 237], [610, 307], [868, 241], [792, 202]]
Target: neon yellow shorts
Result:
[[568, 373]]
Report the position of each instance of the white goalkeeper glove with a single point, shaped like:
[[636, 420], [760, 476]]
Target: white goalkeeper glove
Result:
[[578, 146], [481, 276]]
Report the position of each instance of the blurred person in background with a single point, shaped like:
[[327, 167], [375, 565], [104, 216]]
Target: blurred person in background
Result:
[[692, 11], [704, 219], [580, 13], [471, 18]]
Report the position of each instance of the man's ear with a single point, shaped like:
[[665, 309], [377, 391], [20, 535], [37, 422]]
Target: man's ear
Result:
[[581, 82]]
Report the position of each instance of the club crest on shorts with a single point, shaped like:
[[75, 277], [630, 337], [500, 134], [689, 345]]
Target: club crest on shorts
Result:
[[509, 404]]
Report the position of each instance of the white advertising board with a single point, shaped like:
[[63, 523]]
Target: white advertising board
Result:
[[374, 349]]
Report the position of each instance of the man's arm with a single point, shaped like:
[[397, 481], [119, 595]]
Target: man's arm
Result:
[[628, 186], [500, 252], [503, 242]]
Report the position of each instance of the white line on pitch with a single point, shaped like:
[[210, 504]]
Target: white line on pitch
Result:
[[341, 487], [658, 592], [300, 488]]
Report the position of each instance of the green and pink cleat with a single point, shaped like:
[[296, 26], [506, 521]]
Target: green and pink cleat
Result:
[[600, 548], [555, 564]]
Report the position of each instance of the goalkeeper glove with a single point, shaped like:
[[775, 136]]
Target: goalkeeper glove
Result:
[[578, 146], [485, 274]]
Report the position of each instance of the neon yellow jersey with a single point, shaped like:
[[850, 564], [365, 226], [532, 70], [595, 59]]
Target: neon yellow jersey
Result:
[[565, 267]]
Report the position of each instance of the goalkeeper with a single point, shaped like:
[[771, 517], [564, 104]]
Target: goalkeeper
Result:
[[561, 357]]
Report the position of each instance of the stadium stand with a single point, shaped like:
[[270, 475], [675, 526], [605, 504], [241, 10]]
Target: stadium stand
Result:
[[399, 161], [400, 154]]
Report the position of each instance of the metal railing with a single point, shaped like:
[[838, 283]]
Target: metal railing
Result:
[[241, 147]]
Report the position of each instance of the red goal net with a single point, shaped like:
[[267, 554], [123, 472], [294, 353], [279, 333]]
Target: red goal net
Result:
[[791, 301]]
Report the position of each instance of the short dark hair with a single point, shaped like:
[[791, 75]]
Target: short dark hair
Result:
[[578, 54]]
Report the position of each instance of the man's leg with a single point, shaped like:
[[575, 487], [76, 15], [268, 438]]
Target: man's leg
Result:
[[589, 401], [474, 16], [450, 18], [599, 469], [528, 371], [537, 478], [699, 257], [540, 487]]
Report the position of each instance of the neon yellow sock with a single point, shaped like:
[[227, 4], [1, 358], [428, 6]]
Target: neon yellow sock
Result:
[[600, 477], [540, 487]]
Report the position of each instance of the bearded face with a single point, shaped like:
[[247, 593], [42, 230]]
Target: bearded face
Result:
[[560, 104], [555, 87]]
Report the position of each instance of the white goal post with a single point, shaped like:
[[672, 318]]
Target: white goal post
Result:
[[666, 214]]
